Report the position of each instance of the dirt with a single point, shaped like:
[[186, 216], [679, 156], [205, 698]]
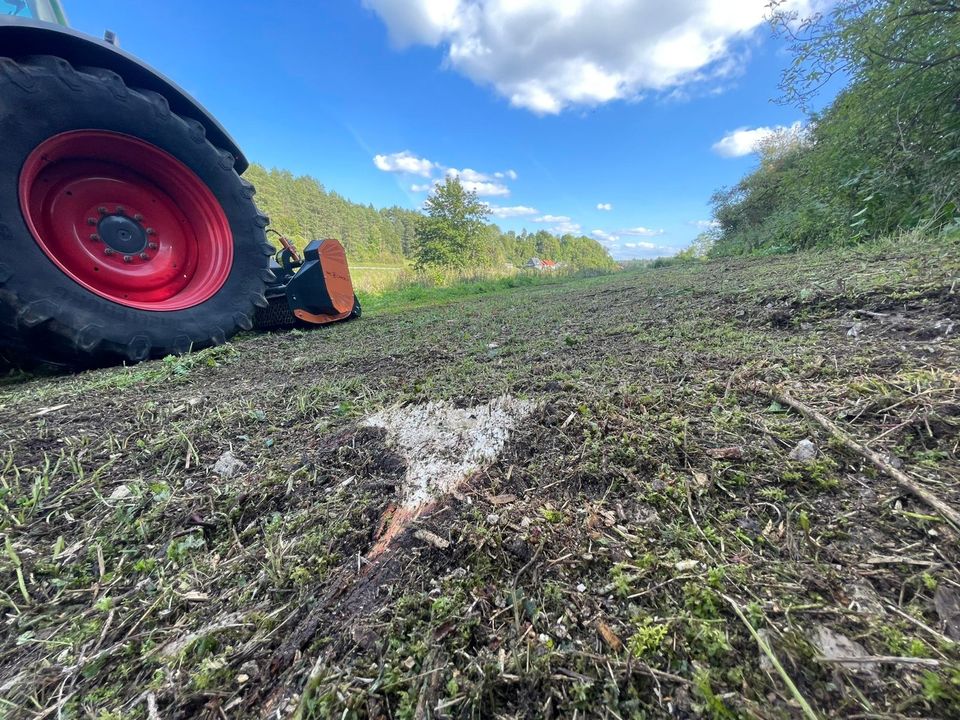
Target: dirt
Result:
[[610, 553]]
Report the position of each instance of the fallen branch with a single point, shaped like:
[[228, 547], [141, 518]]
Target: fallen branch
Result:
[[901, 478], [880, 660]]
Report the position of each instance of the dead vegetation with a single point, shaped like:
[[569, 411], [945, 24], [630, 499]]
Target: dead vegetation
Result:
[[654, 539]]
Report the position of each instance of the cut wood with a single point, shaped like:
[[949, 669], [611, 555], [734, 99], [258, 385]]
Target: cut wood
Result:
[[783, 397]]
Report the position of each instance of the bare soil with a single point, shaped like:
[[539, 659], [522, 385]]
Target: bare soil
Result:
[[620, 556]]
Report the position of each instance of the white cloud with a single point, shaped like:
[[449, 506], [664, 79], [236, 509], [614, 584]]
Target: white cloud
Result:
[[509, 212], [483, 184], [604, 236], [486, 189], [552, 219], [640, 250], [546, 55], [468, 175], [404, 162], [641, 232], [745, 141], [605, 206], [704, 225], [480, 183], [566, 228]]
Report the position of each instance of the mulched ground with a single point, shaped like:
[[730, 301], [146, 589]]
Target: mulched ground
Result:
[[644, 547]]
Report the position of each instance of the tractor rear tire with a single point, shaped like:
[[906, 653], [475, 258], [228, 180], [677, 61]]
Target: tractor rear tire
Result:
[[124, 233]]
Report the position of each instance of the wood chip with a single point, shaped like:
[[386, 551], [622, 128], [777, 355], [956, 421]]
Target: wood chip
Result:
[[47, 410], [609, 636], [188, 405], [502, 499], [432, 538], [725, 453]]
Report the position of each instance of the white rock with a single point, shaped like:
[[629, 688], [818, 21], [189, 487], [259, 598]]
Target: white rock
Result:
[[120, 492], [228, 465], [835, 645], [805, 451], [493, 518]]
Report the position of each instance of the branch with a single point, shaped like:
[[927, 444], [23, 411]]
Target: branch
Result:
[[785, 398], [926, 64]]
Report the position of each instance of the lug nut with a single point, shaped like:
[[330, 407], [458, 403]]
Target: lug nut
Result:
[[144, 256], [102, 210], [138, 217], [128, 258], [152, 246], [120, 210], [151, 231], [108, 251], [94, 237], [91, 221]]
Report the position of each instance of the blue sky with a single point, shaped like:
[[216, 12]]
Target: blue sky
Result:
[[552, 109]]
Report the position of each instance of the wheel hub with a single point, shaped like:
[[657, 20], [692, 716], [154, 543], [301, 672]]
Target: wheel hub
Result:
[[122, 234]]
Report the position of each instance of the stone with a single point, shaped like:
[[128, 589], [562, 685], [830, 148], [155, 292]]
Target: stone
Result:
[[228, 465], [805, 451]]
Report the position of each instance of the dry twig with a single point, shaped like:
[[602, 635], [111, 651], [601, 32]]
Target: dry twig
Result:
[[783, 397]]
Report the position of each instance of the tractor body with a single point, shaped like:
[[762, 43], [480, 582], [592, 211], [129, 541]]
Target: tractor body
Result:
[[126, 229]]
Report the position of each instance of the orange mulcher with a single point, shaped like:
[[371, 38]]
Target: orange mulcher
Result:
[[312, 289]]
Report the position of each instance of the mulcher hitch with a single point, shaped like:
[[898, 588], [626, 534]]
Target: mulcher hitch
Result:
[[312, 289]]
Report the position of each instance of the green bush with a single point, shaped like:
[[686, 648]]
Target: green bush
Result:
[[884, 156]]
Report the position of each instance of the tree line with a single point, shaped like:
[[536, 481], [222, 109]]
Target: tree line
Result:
[[457, 236], [883, 156]]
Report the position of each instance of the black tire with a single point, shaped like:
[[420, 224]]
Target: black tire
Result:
[[357, 310], [46, 317]]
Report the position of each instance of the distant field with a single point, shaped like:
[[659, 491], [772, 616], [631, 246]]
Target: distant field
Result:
[[374, 278], [210, 536]]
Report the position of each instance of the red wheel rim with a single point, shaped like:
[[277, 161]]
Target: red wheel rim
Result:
[[126, 220]]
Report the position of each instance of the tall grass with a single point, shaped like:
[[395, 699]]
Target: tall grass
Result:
[[373, 279], [409, 287]]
